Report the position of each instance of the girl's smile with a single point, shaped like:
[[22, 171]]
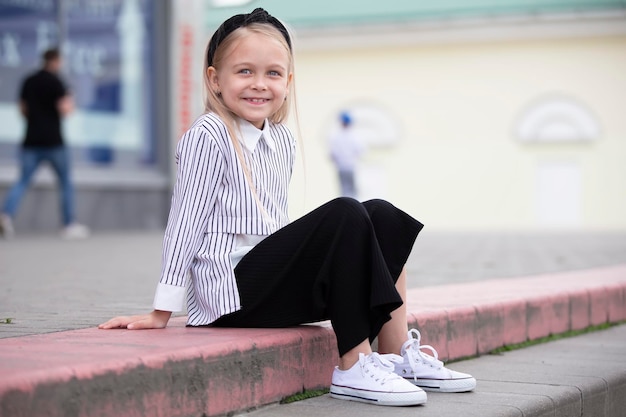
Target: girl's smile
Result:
[[257, 100]]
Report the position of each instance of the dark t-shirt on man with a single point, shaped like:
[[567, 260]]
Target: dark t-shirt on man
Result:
[[40, 93]]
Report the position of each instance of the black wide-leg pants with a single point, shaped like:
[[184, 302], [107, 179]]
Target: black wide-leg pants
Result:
[[339, 262]]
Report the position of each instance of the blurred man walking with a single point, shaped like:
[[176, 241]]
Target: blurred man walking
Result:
[[44, 100]]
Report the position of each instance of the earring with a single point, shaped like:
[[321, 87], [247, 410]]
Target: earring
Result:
[[218, 93]]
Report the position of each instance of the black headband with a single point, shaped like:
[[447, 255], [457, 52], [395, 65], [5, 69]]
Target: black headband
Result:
[[258, 15]]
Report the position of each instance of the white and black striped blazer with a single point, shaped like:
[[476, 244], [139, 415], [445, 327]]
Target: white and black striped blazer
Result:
[[212, 204]]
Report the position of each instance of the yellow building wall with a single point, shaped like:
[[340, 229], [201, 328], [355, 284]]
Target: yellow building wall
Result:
[[458, 164]]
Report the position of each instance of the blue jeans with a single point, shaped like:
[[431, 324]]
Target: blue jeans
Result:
[[30, 159], [347, 182]]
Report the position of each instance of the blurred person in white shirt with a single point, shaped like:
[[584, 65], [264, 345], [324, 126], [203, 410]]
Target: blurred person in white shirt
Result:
[[345, 151]]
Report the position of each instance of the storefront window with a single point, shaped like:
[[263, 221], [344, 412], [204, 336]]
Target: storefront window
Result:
[[107, 47]]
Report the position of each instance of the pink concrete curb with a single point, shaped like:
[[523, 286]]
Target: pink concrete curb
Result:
[[484, 315], [186, 371]]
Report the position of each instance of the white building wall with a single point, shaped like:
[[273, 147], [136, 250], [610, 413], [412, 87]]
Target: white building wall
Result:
[[458, 164]]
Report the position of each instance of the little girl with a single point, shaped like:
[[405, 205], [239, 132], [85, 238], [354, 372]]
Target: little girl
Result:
[[250, 267]]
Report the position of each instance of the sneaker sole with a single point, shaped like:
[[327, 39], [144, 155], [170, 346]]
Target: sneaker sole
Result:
[[378, 398], [445, 385]]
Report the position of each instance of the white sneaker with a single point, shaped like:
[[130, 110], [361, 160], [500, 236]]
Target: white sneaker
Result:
[[427, 371], [372, 380], [75, 231], [6, 227]]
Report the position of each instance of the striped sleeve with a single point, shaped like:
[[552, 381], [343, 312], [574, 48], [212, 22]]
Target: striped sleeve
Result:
[[200, 169]]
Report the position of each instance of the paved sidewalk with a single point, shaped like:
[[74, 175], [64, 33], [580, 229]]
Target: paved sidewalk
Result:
[[469, 294], [48, 284]]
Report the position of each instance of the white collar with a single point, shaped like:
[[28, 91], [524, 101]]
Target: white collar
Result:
[[250, 135]]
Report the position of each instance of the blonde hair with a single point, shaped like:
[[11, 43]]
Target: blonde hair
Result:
[[214, 103]]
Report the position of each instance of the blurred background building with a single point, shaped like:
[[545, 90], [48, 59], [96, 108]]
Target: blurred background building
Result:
[[478, 115], [116, 63]]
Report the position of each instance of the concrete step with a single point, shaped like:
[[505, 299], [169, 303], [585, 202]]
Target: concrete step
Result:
[[582, 376], [182, 371]]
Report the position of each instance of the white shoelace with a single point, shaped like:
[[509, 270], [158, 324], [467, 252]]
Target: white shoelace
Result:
[[378, 367], [413, 350]]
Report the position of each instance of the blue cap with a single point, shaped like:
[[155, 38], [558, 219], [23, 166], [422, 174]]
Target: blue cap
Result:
[[345, 118]]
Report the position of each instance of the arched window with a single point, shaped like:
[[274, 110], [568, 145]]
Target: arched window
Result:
[[373, 124], [557, 119]]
